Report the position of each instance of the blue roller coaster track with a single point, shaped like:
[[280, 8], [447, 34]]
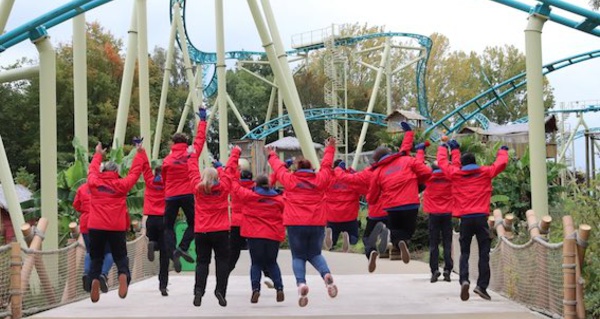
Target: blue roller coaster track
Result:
[[262, 131], [472, 108], [589, 108], [206, 58]]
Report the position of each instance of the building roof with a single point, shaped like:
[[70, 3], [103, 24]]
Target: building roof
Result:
[[495, 129], [290, 143], [410, 115], [23, 193]]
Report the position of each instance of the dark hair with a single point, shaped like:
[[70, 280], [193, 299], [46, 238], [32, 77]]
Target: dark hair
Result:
[[303, 164], [434, 167], [246, 174], [157, 170], [380, 152], [262, 181], [467, 158], [337, 162], [179, 138]]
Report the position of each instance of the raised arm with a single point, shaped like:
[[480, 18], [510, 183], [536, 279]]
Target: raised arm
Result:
[[407, 142], [442, 159], [281, 172], [500, 163], [147, 172], [455, 153], [193, 167], [94, 168], [359, 181], [139, 161]]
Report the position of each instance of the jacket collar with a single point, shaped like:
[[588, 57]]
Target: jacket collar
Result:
[[470, 167], [179, 147], [265, 191]]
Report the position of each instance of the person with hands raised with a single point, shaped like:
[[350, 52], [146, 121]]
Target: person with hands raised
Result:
[[109, 218], [304, 216], [471, 192], [211, 223], [262, 226]]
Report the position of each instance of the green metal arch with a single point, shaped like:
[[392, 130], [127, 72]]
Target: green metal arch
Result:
[[458, 117], [262, 131]]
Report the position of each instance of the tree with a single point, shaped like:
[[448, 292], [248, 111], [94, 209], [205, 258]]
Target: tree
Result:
[[595, 4]]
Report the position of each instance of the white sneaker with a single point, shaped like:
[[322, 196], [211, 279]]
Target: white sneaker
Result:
[[332, 290], [345, 242], [328, 242]]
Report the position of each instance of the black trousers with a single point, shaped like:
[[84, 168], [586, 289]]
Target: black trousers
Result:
[[236, 244], [117, 240], [440, 224], [351, 227], [478, 227], [155, 231], [185, 202], [402, 225], [368, 230], [205, 244]]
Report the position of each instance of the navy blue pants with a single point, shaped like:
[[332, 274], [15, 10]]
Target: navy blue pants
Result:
[[306, 243], [263, 254], [350, 227], [440, 223], [478, 227]]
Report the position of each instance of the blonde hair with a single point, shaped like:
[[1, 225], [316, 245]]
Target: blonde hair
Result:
[[209, 177]]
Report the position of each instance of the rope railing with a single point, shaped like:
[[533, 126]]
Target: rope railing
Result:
[[49, 279], [534, 273]]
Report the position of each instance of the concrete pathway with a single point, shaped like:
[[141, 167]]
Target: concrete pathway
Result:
[[394, 290]]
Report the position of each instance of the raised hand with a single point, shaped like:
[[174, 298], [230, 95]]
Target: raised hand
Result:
[[100, 149], [202, 114], [405, 127], [453, 144]]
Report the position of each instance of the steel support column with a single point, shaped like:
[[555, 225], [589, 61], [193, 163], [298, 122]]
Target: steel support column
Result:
[[143, 74], [80, 105], [535, 111], [221, 83]]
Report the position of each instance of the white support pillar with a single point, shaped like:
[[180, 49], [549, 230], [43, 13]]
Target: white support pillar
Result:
[[10, 192], [164, 92], [271, 103], [19, 74], [5, 9], [222, 83], [80, 105], [188, 102], [127, 81], [237, 114], [388, 79], [274, 49], [535, 111], [189, 74], [372, 100], [48, 156], [280, 112], [143, 74]]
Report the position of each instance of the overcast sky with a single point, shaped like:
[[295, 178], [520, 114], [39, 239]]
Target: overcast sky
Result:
[[471, 25]]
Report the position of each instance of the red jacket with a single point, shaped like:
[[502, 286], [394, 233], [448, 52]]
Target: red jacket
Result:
[[154, 194], [81, 203], [437, 197], [471, 184], [394, 181], [108, 205], [237, 203], [263, 211], [304, 191], [342, 199], [211, 210], [175, 172]]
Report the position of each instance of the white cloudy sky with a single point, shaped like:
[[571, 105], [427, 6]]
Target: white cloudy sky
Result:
[[469, 24]]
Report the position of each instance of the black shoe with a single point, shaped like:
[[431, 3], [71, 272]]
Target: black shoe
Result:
[[103, 283], [280, 295], [87, 283], [197, 299], [164, 292], [221, 298], [151, 246], [184, 254], [254, 298], [482, 293], [176, 261], [464, 291], [447, 275], [435, 275]]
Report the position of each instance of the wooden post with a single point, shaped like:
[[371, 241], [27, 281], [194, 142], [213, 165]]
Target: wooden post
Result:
[[491, 226], [499, 224], [508, 225], [16, 292], [74, 229], [583, 235], [36, 244], [545, 225], [27, 231], [532, 224], [569, 269]]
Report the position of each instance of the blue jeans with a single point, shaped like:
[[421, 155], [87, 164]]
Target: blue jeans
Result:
[[87, 261], [263, 253], [305, 244]]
